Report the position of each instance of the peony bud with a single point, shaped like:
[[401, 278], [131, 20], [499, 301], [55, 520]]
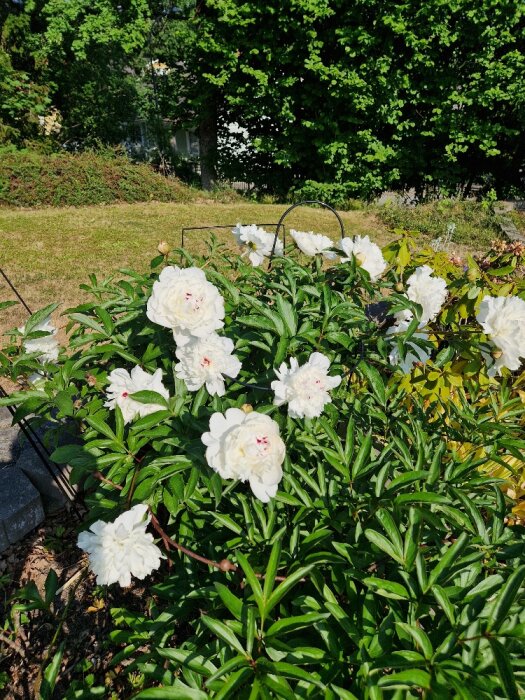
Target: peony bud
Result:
[[496, 354], [399, 287], [226, 565], [164, 248], [247, 407]]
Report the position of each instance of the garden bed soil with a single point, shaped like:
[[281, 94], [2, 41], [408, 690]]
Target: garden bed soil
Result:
[[87, 620]]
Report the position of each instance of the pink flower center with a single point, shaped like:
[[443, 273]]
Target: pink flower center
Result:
[[262, 443], [193, 301], [205, 362], [125, 394]]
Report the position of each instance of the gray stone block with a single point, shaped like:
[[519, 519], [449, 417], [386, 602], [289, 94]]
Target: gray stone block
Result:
[[5, 417], [20, 506], [9, 445], [31, 465]]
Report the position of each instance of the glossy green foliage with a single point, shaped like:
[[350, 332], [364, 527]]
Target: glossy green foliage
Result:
[[382, 568]]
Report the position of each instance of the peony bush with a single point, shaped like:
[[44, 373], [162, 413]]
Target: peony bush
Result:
[[314, 463]]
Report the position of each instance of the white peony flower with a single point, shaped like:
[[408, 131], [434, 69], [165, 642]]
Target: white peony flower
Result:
[[367, 254], [184, 300], [205, 361], [305, 388], [246, 446], [47, 345], [259, 243], [122, 384], [414, 354], [427, 291], [313, 244], [503, 320], [121, 549]]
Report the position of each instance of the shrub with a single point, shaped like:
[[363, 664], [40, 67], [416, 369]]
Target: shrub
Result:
[[35, 179], [335, 194], [378, 562]]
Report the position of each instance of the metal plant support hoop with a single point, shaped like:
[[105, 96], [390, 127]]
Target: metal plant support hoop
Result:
[[32, 436], [300, 204]]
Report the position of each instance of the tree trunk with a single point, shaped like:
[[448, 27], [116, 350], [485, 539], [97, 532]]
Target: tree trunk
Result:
[[208, 149]]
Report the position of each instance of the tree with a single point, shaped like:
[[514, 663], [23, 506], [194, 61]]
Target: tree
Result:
[[373, 95], [24, 95]]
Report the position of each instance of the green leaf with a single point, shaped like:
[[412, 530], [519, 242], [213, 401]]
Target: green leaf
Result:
[[504, 668], [253, 581], [176, 691], [271, 570], [38, 317], [290, 624], [50, 587], [288, 314], [230, 600], [193, 661], [235, 681], [420, 637], [447, 558], [506, 598], [406, 679], [384, 544], [51, 674], [375, 380], [344, 621], [286, 586], [106, 319], [388, 589], [89, 322], [288, 671], [98, 424], [149, 397], [363, 456], [228, 667], [220, 630], [150, 421], [442, 598]]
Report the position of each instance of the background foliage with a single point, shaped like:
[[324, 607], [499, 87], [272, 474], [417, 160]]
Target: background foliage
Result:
[[364, 97]]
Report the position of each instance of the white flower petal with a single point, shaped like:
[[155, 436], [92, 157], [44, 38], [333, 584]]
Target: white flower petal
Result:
[[305, 388], [121, 549], [47, 345], [248, 447], [206, 361], [313, 243], [184, 300], [259, 243], [123, 383], [368, 255], [503, 320]]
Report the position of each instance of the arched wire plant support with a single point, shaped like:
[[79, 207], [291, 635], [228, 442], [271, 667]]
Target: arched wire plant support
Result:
[[300, 204], [33, 437]]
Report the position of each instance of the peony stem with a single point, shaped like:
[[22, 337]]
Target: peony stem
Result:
[[223, 565], [102, 478]]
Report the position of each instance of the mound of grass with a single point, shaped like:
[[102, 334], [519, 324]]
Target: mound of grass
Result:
[[475, 222], [29, 179]]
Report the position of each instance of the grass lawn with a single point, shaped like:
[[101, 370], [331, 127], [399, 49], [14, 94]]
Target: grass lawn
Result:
[[48, 252]]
